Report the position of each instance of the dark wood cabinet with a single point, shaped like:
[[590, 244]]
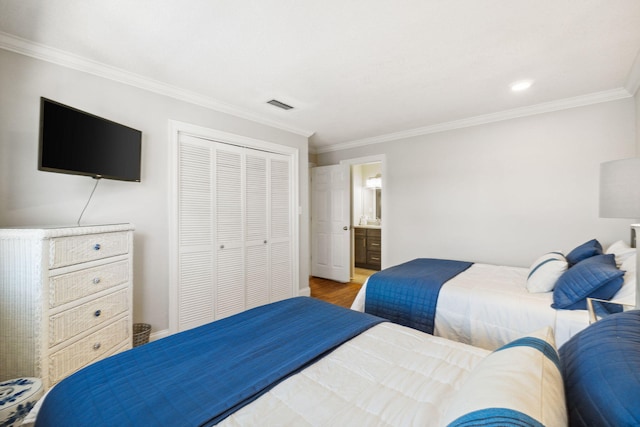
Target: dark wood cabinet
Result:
[[367, 243], [360, 243]]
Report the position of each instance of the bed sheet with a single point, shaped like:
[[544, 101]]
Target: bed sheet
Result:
[[388, 375], [488, 306]]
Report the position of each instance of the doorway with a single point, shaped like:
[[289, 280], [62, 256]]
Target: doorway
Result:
[[368, 207], [333, 254], [366, 220]]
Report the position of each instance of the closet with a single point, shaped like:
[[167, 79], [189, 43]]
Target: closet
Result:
[[234, 229]]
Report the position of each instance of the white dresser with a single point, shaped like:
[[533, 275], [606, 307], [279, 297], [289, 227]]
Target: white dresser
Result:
[[65, 298]]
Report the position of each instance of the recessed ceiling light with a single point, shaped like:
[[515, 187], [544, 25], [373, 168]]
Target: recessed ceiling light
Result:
[[521, 85]]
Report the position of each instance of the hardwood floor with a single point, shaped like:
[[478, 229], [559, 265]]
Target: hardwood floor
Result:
[[341, 294], [337, 293]]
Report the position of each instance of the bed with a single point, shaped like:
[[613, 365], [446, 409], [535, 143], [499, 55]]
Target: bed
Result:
[[489, 305], [371, 372]]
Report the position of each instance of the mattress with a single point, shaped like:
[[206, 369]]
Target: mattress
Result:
[[488, 306], [388, 375]]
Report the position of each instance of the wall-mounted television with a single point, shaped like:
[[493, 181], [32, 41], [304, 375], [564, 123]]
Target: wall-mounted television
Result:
[[79, 143]]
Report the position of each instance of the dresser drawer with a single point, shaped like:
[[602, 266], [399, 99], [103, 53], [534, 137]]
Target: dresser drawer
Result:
[[72, 322], [374, 232], [88, 350], [373, 243], [72, 286], [77, 249], [373, 258]]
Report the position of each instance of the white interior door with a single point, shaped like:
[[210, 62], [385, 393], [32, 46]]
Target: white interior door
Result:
[[280, 244], [230, 211], [194, 296], [330, 223]]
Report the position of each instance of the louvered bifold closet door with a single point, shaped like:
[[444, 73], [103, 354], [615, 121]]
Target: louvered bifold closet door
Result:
[[256, 242], [229, 220], [280, 267], [234, 230], [195, 233]]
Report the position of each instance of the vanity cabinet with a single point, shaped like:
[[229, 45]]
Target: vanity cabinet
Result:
[[66, 298], [360, 245], [367, 245]]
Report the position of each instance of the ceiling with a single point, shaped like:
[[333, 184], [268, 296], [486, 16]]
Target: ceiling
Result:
[[354, 71]]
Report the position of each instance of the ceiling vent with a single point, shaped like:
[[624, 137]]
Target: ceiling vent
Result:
[[279, 104]]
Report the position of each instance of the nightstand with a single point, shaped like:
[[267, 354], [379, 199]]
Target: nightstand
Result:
[[599, 308]]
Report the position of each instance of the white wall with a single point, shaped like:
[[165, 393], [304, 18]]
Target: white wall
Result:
[[504, 192], [637, 99], [29, 197]]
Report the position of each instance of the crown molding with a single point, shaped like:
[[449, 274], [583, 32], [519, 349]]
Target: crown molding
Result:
[[69, 60], [42, 52], [633, 80], [561, 104]]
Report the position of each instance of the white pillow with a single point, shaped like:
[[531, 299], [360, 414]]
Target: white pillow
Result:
[[627, 293], [629, 264], [520, 381], [622, 251], [545, 272]]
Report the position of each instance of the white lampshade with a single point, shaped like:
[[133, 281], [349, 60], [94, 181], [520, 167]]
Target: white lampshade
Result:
[[620, 189], [620, 198]]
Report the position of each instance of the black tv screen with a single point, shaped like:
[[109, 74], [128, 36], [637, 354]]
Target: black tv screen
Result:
[[75, 142]]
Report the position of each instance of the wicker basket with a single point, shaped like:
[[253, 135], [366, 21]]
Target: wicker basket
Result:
[[141, 333]]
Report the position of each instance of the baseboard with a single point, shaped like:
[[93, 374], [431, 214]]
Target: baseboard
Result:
[[305, 292], [159, 334]]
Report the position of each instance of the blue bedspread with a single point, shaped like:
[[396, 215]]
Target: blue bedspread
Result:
[[199, 377], [407, 294], [601, 372]]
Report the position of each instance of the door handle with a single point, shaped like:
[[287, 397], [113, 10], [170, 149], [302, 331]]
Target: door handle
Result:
[[345, 228]]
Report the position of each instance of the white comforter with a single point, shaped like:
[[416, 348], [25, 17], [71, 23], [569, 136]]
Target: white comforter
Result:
[[488, 306], [389, 375]]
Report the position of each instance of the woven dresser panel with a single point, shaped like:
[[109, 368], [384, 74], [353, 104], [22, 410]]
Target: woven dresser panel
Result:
[[72, 286], [20, 313], [76, 249], [74, 321], [88, 350]]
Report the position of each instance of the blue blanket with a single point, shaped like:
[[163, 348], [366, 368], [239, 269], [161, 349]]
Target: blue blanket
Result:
[[407, 294], [199, 377], [601, 372]]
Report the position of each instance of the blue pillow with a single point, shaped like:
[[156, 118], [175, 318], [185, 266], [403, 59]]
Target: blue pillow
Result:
[[584, 251], [595, 277], [601, 371]]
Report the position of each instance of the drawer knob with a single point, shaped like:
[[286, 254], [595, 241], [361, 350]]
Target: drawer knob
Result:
[[97, 313], [96, 346], [221, 246], [96, 280], [96, 247]]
